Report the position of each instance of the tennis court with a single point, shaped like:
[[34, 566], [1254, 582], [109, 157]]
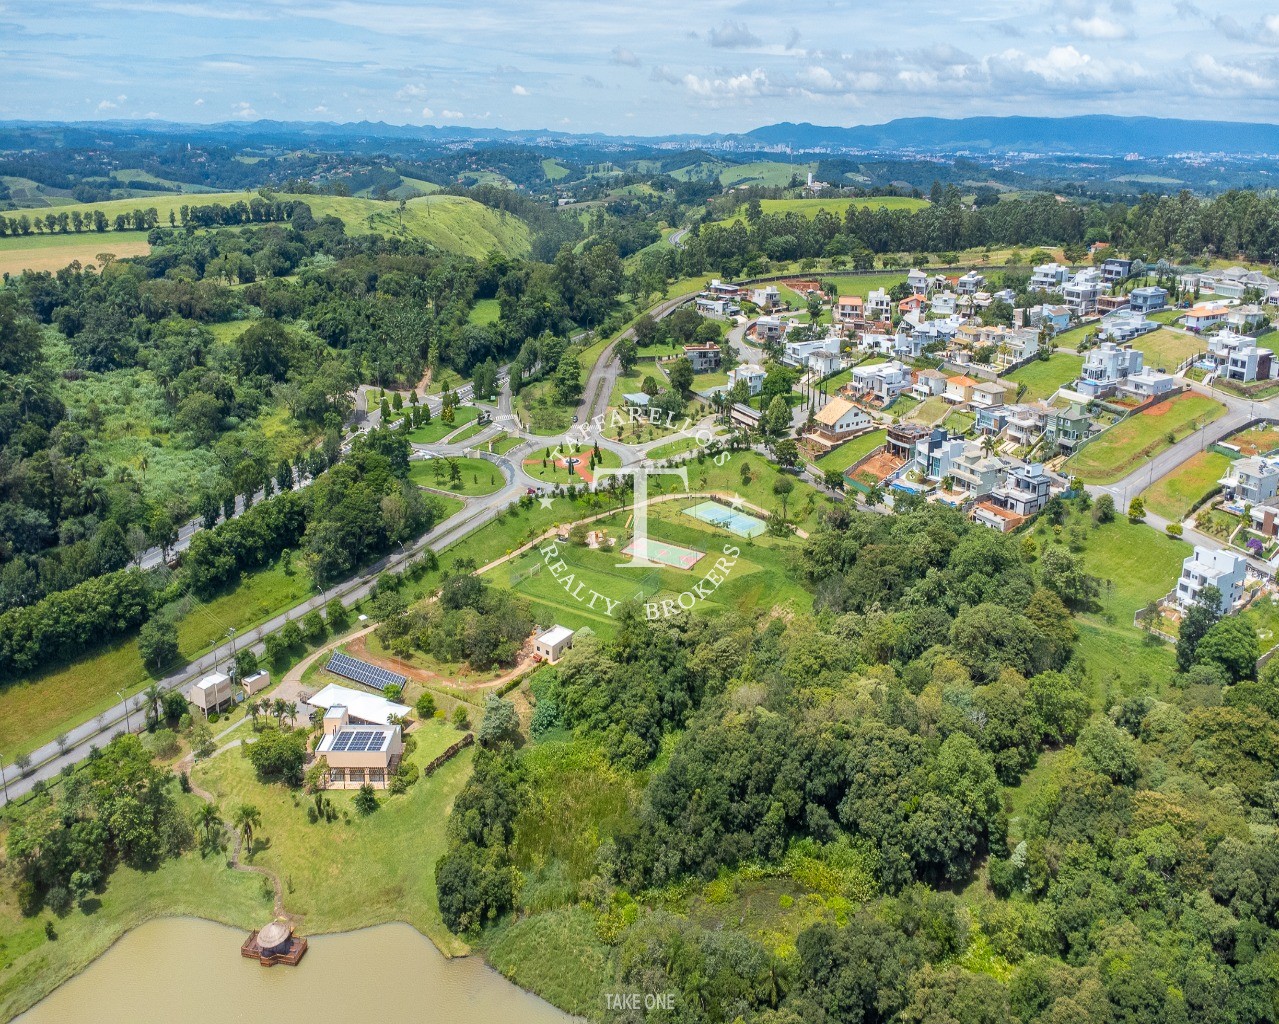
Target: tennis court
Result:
[[667, 554], [730, 519]]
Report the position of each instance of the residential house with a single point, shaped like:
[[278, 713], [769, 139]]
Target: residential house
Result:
[[900, 440], [1017, 347], [1057, 317], [1248, 363], [976, 472], [358, 755], [1049, 277], [1082, 291], [959, 389], [884, 381], [878, 305], [1265, 519], [750, 373], [1205, 315], [911, 304], [1125, 325], [1251, 480], [936, 454], [704, 357], [1147, 299], [1247, 318], [917, 280], [1105, 368], [995, 517], [1111, 303], [987, 395], [1231, 283], [839, 419], [848, 308], [723, 289], [767, 297], [943, 303], [1026, 422], [1005, 295], [1208, 568], [824, 362], [552, 645], [797, 353], [992, 421], [876, 342], [1024, 491], [255, 683], [709, 306], [908, 346], [1067, 428], [970, 284], [1115, 270], [769, 330], [1147, 384], [929, 383]]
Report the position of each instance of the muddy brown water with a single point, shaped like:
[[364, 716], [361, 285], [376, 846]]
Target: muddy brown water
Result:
[[190, 971]]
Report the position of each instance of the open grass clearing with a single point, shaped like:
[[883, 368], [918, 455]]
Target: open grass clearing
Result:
[[459, 474], [1166, 349], [1174, 495], [53, 252], [438, 428], [1042, 379], [851, 451], [1140, 437]]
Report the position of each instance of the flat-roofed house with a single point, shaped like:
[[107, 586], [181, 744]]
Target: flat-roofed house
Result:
[[704, 357], [368, 708], [552, 645], [1252, 480], [211, 692], [255, 683], [358, 755], [1208, 568]]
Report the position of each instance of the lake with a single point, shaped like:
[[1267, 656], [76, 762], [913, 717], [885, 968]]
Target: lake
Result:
[[188, 970]]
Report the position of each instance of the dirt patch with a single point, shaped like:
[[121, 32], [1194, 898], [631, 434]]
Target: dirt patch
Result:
[[1256, 442], [1158, 410], [579, 470], [878, 467], [358, 648]]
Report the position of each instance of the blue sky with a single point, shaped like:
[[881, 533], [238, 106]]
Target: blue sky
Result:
[[634, 67]]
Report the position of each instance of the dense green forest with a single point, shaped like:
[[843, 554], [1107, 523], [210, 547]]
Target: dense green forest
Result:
[[868, 756]]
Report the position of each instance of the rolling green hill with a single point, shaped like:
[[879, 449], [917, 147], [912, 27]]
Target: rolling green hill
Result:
[[451, 222], [833, 204]]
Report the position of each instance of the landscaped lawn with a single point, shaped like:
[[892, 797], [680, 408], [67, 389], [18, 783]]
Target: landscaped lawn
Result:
[[536, 406], [1042, 379], [850, 451], [1173, 496], [1126, 445], [356, 871], [1166, 349], [473, 476], [438, 429], [542, 464]]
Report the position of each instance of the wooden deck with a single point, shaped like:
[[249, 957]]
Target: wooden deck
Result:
[[292, 956]]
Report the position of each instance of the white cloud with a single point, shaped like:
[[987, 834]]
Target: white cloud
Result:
[[621, 55], [244, 111], [107, 105], [199, 102], [519, 90], [1064, 65], [428, 112], [1213, 75], [1270, 26], [452, 115], [1098, 27], [413, 91], [320, 109], [733, 35], [723, 90], [820, 79]]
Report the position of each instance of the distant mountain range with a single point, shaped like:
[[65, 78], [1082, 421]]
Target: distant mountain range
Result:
[[1093, 134]]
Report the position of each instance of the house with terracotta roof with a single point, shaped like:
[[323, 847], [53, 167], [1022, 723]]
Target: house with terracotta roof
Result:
[[959, 389], [1205, 315], [839, 420], [911, 304], [848, 308]]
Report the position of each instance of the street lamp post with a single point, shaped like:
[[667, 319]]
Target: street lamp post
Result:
[[5, 780], [128, 725]]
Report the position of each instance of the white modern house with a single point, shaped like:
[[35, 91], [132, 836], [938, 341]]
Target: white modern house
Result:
[[1124, 325], [883, 380], [1049, 277], [797, 353], [1207, 568], [1251, 480], [1105, 368], [752, 374], [366, 708], [878, 305], [943, 303], [1147, 299], [970, 284], [917, 280], [552, 645], [1082, 291]]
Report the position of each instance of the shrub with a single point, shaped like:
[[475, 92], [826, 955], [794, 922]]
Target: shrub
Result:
[[1175, 529], [460, 717], [365, 800], [425, 707]]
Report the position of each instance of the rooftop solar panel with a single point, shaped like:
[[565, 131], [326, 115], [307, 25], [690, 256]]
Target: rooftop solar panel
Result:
[[362, 672]]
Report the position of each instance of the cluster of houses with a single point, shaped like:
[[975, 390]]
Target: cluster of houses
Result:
[[724, 299]]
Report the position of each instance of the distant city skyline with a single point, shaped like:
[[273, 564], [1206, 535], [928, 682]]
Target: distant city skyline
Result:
[[650, 68]]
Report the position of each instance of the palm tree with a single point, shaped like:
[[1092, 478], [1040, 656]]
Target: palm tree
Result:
[[875, 495], [209, 822], [292, 708], [247, 818], [154, 698], [987, 444], [254, 709], [278, 708]]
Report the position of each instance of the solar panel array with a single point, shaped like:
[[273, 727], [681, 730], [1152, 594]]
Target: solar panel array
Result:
[[362, 672], [350, 741]]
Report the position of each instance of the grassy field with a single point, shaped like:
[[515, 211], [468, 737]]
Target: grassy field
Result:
[[1126, 445], [35, 711], [1173, 496], [357, 871], [53, 252], [553, 169], [485, 311], [864, 284], [477, 476], [930, 410], [1043, 379], [451, 222], [1137, 565], [1072, 337], [1168, 349], [535, 405], [437, 429], [850, 451]]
